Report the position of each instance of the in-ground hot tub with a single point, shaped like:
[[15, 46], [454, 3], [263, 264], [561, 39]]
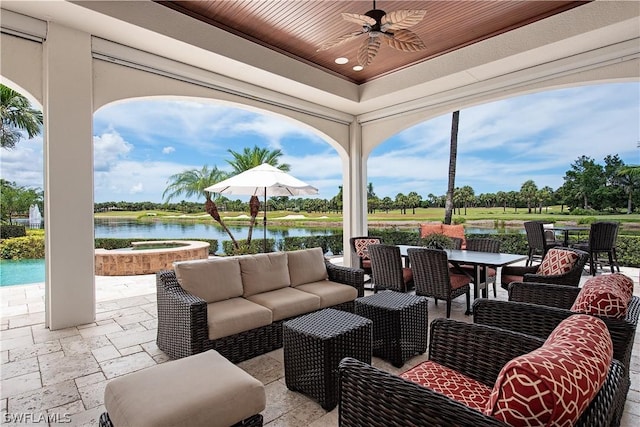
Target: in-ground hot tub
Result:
[[148, 261]]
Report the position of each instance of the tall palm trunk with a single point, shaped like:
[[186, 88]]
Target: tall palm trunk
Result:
[[254, 208], [453, 153], [212, 210]]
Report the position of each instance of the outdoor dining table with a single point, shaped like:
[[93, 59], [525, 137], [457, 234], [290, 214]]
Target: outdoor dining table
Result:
[[479, 260], [566, 229]]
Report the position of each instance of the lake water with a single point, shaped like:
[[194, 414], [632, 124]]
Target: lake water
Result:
[[32, 271]]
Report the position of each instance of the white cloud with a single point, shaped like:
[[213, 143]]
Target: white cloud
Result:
[[108, 149], [168, 150], [136, 189]]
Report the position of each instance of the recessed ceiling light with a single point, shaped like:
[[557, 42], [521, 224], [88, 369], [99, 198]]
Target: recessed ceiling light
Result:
[[358, 68], [341, 60]]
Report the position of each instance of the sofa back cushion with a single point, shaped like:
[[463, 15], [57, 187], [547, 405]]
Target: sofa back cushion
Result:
[[557, 262], [555, 383], [264, 272], [306, 266], [426, 229], [606, 295], [213, 280]]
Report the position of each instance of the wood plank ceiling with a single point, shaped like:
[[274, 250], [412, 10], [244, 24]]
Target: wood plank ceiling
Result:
[[297, 28]]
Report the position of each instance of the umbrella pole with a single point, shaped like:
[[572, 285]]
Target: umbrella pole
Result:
[[264, 223]]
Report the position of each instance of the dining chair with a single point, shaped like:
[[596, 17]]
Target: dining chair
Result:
[[387, 271], [433, 278], [360, 246], [484, 245], [538, 243], [602, 239]]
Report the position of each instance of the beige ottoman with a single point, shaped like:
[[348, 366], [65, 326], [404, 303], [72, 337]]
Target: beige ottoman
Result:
[[200, 390]]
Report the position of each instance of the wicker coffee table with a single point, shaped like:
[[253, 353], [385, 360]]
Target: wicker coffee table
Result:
[[400, 324], [314, 345]]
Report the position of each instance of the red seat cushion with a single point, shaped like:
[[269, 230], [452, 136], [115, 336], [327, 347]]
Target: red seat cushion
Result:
[[603, 296], [451, 383], [491, 272], [407, 275], [508, 278], [458, 280], [366, 263], [554, 384], [557, 262]]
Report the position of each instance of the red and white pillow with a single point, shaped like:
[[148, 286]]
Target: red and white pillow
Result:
[[554, 384], [557, 261], [606, 295]]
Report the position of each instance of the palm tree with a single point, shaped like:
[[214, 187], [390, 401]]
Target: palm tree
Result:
[[17, 114], [191, 183], [250, 158], [453, 153], [529, 191], [629, 178]]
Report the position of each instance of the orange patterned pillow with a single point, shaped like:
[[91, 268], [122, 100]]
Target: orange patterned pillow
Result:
[[426, 229], [602, 297], [451, 383], [557, 262], [554, 384]]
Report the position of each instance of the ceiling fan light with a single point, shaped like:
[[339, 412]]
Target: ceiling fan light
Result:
[[358, 68], [341, 60]]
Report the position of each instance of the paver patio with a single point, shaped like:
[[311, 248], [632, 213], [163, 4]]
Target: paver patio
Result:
[[62, 374]]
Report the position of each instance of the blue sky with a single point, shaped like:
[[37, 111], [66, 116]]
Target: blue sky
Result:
[[139, 144]]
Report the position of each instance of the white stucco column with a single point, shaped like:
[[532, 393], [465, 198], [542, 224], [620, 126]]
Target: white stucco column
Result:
[[354, 191], [68, 178]]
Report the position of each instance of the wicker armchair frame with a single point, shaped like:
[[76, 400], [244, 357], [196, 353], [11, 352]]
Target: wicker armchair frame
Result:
[[182, 320], [375, 398], [353, 242], [528, 273], [387, 269], [431, 276]]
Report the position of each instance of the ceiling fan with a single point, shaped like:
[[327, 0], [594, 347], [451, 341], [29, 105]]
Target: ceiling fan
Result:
[[378, 25]]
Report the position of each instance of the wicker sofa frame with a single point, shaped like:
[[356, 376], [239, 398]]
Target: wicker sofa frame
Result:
[[571, 278], [376, 398], [182, 320]]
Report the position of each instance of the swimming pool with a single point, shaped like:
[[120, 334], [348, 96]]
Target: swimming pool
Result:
[[20, 272]]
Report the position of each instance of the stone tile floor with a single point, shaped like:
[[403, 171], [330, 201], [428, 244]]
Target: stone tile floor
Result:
[[62, 374]]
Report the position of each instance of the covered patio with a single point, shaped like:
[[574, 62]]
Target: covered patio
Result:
[[75, 57]]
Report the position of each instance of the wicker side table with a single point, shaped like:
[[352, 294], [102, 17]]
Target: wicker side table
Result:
[[314, 345], [400, 324]]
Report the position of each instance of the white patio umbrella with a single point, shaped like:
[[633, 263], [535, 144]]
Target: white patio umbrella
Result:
[[263, 180]]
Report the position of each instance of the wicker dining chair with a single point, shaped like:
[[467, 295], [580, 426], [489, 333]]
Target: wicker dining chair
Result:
[[532, 273], [538, 243], [484, 245], [360, 247], [387, 271], [602, 239], [433, 278]]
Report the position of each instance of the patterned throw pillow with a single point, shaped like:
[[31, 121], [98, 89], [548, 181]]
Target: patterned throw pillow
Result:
[[554, 384], [426, 229], [557, 262], [451, 383], [604, 295], [362, 245]]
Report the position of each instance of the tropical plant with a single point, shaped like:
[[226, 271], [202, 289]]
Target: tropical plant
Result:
[[192, 183], [16, 200], [453, 154], [17, 115], [529, 192], [629, 179]]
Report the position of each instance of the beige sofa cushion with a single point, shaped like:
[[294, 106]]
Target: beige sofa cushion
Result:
[[306, 266], [264, 272], [287, 302], [235, 315], [200, 390], [215, 279], [330, 293]]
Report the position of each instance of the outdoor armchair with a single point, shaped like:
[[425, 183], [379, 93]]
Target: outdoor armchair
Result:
[[360, 247], [562, 266], [539, 242], [387, 270], [602, 239], [375, 398]]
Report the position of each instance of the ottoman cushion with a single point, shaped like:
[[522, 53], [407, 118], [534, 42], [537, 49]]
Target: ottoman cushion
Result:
[[199, 390]]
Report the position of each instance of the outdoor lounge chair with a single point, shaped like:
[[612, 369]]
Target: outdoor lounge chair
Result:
[[388, 273]]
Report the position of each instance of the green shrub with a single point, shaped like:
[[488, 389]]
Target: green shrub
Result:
[[9, 231], [459, 220], [438, 241], [255, 247], [28, 247], [586, 220], [628, 250]]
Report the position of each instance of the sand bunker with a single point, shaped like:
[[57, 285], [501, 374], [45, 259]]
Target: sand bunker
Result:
[[292, 217]]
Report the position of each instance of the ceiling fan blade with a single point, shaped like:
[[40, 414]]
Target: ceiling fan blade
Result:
[[363, 20], [401, 19], [339, 40], [368, 50], [404, 40]]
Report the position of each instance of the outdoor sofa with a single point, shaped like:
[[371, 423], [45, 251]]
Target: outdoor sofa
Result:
[[236, 305]]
